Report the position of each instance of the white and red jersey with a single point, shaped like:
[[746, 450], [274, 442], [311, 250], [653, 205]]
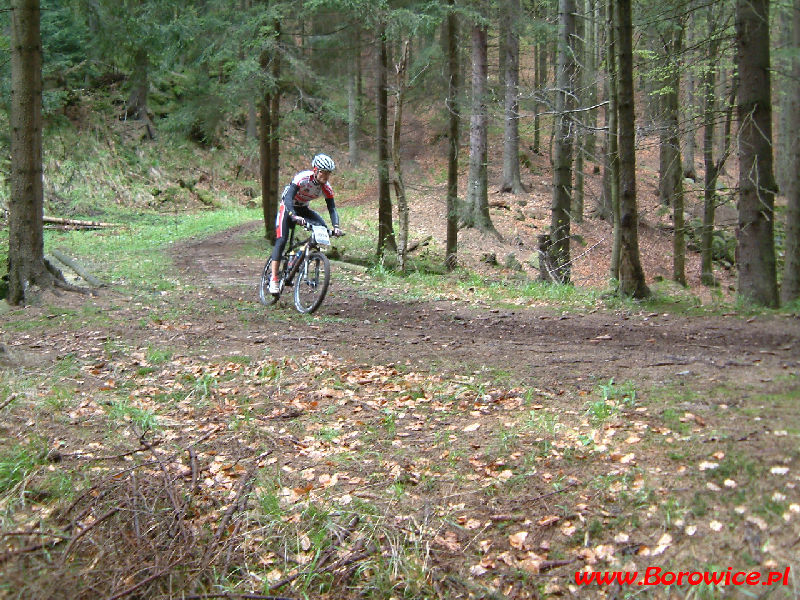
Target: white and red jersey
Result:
[[309, 188]]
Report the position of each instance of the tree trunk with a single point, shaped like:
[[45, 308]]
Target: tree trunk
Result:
[[689, 108], [354, 106], [541, 82], [136, 107], [670, 168], [590, 77], [611, 172], [755, 232], [454, 117], [603, 208], [268, 145], [511, 176], [790, 289], [579, 87], [26, 266], [477, 185], [352, 122], [274, 127], [631, 275], [710, 178], [399, 186], [251, 127], [558, 249], [386, 241]]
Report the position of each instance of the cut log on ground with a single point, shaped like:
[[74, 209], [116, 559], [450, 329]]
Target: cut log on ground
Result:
[[76, 223], [78, 268], [419, 243]]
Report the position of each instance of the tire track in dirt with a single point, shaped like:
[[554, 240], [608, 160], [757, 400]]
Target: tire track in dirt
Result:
[[534, 345]]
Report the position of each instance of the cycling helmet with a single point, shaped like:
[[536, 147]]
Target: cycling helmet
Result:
[[323, 162]]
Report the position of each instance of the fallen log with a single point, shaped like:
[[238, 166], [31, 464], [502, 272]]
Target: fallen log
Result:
[[77, 267], [76, 223], [417, 244]]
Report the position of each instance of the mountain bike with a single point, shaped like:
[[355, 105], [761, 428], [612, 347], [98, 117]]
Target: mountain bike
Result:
[[304, 266]]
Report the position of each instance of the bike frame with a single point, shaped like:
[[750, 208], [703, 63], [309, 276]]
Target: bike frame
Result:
[[291, 247]]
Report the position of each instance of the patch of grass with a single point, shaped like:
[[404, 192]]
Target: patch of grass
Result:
[[143, 420], [624, 393], [18, 461], [543, 421], [328, 434], [136, 253], [672, 419], [67, 366], [59, 397], [158, 356], [736, 466]]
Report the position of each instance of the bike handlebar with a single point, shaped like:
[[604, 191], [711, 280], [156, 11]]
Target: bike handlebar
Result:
[[310, 227]]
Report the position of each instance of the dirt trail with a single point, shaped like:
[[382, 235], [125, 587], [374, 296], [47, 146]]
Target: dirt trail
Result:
[[537, 346]]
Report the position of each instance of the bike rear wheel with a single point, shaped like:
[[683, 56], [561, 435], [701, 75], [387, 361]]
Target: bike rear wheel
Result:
[[312, 282], [264, 296]]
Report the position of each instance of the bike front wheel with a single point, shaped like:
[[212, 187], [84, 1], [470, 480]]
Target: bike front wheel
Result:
[[312, 282], [264, 296]]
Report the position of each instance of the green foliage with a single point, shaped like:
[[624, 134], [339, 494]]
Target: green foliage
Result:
[[18, 461], [141, 419], [131, 256]]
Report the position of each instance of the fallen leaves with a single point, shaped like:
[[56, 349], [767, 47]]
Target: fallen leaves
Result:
[[517, 540]]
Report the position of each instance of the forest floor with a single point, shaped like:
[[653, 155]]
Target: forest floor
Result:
[[499, 450], [404, 441]]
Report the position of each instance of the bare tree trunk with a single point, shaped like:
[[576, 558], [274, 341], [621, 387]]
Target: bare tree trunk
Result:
[[268, 145], [611, 173], [670, 172], [511, 176], [710, 178], [136, 106], [352, 121], [399, 186], [354, 106], [251, 127], [690, 107], [755, 233], [274, 130], [631, 275], [477, 185], [454, 117], [590, 77], [386, 239], [26, 266], [541, 82], [558, 249], [790, 289], [580, 85]]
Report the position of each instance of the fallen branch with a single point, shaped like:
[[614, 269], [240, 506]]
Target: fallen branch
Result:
[[76, 223], [553, 564], [234, 596], [11, 397], [548, 494], [342, 562], [423, 242], [77, 267]]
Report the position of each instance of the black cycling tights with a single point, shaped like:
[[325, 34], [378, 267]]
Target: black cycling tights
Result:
[[284, 222]]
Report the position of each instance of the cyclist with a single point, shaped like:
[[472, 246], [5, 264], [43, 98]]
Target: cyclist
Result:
[[305, 186]]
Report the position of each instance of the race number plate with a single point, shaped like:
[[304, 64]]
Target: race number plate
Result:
[[321, 235]]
